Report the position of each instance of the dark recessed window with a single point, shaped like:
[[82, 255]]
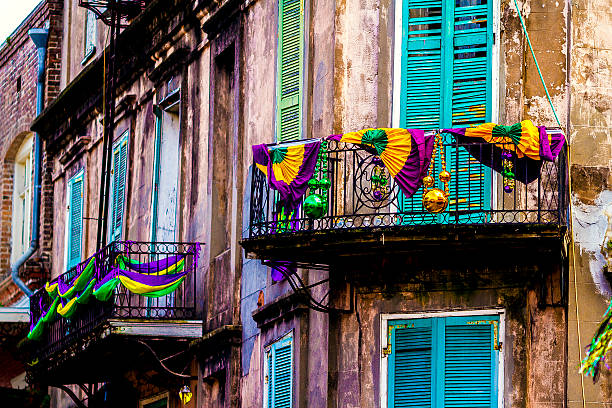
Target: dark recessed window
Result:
[[19, 84]]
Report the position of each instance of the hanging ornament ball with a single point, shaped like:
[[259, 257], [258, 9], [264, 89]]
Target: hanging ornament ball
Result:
[[314, 206], [375, 178], [383, 181], [508, 189], [435, 201], [506, 154], [313, 183], [445, 176], [428, 181], [325, 183], [378, 195]]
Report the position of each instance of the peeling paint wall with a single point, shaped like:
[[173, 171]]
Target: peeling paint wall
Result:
[[591, 158]]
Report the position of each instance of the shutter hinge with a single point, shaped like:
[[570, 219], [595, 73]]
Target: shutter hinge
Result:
[[497, 345], [388, 350]]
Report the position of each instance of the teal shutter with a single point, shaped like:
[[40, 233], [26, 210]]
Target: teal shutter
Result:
[[471, 105], [448, 85], [75, 220], [410, 364], [280, 374], [290, 68], [448, 362], [470, 363], [118, 188], [421, 86]]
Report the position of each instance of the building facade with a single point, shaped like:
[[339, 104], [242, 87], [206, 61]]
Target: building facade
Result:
[[19, 75], [370, 300]]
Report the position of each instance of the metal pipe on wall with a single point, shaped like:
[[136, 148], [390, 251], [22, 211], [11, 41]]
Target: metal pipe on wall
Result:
[[39, 38]]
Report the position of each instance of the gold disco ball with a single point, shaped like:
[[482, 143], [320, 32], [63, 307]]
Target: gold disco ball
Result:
[[435, 201]]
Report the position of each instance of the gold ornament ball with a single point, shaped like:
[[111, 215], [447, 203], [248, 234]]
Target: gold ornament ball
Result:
[[435, 201], [428, 181], [445, 176]]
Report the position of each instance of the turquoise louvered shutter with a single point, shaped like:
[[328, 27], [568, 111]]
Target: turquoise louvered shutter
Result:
[[449, 362], [290, 67], [411, 364], [280, 374], [422, 64], [118, 188], [470, 362], [471, 96], [462, 79], [75, 220]]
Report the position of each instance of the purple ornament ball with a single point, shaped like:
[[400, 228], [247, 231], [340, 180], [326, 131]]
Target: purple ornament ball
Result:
[[507, 189]]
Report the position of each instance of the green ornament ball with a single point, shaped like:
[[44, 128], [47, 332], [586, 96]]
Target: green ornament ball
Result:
[[325, 183], [314, 206], [313, 183]]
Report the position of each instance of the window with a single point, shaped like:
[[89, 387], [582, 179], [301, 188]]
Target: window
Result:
[[444, 68], [443, 361], [90, 35], [22, 200], [118, 182], [290, 70], [165, 174], [74, 224], [278, 374]]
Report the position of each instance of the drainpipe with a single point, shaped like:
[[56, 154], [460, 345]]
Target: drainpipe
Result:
[[39, 38]]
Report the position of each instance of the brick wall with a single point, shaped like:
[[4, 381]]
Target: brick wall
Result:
[[18, 67]]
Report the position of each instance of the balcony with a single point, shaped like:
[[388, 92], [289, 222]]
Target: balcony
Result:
[[366, 213], [85, 332]]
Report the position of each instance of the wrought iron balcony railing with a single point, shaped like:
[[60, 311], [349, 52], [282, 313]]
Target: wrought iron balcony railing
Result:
[[177, 305], [362, 194]]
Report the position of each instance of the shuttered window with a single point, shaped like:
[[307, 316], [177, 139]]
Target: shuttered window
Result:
[[278, 380], [445, 362], [119, 170], [90, 34], [290, 67], [75, 220], [446, 68]]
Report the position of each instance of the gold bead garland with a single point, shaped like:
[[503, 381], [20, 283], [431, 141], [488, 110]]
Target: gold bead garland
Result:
[[434, 199]]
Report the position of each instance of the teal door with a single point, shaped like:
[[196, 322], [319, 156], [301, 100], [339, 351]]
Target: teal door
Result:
[[446, 82]]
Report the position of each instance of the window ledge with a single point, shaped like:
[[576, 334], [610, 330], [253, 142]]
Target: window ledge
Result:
[[88, 55]]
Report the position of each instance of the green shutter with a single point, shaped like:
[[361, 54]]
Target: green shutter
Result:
[[75, 220], [280, 374], [118, 188], [448, 85], [290, 67], [470, 362], [410, 364], [448, 362]]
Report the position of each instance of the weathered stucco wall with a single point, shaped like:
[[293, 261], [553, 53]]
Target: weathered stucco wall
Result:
[[591, 141]]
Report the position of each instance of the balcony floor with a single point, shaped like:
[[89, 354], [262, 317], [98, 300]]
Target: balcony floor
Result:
[[341, 246]]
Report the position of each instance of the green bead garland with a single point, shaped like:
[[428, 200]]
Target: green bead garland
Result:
[[315, 205]]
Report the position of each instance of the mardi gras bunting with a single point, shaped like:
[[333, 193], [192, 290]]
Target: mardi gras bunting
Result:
[[525, 139], [288, 169], [405, 153]]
